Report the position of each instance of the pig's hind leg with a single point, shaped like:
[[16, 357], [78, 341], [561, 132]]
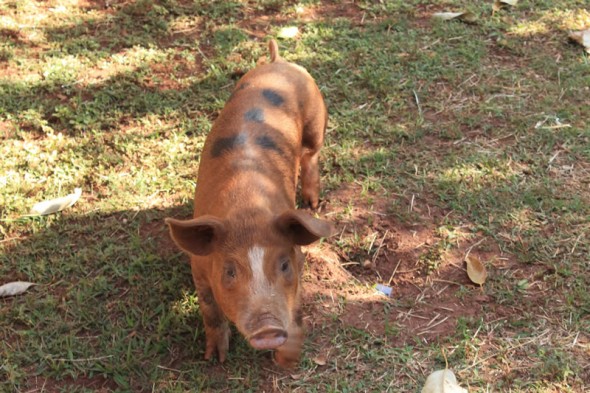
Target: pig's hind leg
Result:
[[313, 139]]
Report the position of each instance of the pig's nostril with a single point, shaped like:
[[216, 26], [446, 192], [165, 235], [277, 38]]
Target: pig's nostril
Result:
[[268, 338]]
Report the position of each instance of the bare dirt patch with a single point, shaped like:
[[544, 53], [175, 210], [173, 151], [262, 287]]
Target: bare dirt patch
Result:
[[421, 306], [157, 231], [258, 23], [97, 383], [330, 10], [427, 301]]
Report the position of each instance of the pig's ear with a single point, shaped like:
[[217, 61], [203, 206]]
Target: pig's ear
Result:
[[303, 228], [197, 236]]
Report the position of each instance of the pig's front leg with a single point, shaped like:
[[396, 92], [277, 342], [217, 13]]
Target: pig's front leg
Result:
[[288, 354], [216, 326]]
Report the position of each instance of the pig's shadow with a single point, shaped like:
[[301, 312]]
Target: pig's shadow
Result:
[[115, 291]]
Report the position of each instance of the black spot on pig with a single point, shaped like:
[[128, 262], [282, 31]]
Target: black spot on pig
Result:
[[267, 143], [273, 97], [224, 145], [255, 115]]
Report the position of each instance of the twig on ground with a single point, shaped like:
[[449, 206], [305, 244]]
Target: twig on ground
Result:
[[394, 271], [380, 245]]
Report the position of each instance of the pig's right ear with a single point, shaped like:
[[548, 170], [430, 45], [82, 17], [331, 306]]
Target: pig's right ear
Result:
[[303, 228], [197, 236]]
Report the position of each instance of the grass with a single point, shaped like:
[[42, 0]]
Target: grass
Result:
[[444, 137]]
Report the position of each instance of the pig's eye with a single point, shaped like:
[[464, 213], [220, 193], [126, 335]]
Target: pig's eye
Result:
[[230, 271], [285, 265]]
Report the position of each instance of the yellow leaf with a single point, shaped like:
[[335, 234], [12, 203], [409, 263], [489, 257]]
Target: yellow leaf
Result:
[[476, 270]]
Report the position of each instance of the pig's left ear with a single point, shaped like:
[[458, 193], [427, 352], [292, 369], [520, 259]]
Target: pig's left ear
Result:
[[303, 228]]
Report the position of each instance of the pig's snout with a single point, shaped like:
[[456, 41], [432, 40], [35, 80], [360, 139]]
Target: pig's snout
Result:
[[268, 338]]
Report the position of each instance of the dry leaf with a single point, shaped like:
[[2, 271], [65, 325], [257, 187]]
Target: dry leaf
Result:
[[446, 15], [499, 4], [582, 37], [476, 270], [442, 381], [462, 16], [55, 205], [320, 360], [14, 288]]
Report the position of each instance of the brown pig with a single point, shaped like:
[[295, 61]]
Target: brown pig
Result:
[[245, 237]]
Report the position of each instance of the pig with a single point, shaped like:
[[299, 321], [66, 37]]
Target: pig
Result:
[[245, 235]]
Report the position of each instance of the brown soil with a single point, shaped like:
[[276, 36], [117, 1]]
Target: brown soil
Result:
[[97, 384], [157, 231], [425, 306]]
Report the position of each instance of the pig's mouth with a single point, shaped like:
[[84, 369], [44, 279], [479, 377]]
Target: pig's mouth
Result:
[[268, 338]]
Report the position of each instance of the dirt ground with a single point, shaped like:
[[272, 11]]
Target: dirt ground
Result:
[[425, 305]]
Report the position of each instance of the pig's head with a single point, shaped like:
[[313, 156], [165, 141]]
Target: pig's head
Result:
[[253, 263]]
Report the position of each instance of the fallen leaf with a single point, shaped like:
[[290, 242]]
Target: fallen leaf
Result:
[[582, 37], [55, 205], [446, 15], [499, 4], [442, 381], [468, 17], [320, 360], [14, 288], [476, 270], [288, 32]]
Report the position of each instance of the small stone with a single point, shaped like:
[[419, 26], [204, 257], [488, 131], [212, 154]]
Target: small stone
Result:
[[367, 264]]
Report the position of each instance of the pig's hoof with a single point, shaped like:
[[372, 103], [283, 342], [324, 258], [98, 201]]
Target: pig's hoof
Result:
[[287, 361], [211, 350], [311, 202], [310, 198], [219, 344]]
